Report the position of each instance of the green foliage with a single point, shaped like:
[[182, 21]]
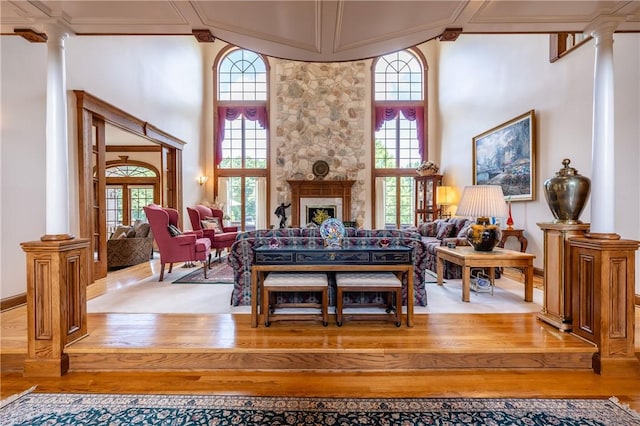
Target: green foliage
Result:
[[384, 158]]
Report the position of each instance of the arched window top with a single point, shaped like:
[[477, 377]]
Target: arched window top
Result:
[[242, 76], [130, 170], [399, 77]]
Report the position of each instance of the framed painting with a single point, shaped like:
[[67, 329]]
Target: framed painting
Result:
[[505, 156]]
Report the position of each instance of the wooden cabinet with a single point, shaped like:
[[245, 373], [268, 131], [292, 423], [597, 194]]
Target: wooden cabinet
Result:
[[426, 204]]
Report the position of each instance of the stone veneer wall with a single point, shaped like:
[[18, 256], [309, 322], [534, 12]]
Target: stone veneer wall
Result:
[[319, 115]]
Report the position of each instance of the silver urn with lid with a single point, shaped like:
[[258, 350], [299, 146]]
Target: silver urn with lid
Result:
[[567, 193]]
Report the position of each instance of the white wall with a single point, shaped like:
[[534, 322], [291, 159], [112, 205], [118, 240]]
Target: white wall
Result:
[[485, 80], [157, 79], [22, 156]]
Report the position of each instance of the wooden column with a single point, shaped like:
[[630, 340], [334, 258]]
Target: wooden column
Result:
[[602, 280], [56, 303], [556, 305]]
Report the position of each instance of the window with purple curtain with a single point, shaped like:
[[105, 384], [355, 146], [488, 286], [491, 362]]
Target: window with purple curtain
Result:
[[241, 138], [399, 139], [225, 114]]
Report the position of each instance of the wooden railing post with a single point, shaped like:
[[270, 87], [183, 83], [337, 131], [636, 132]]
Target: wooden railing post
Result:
[[603, 280], [56, 302]]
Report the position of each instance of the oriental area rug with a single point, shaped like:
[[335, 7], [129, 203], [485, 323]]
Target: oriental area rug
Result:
[[220, 273], [108, 409]]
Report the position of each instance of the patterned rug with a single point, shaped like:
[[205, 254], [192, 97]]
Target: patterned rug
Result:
[[97, 409], [220, 273]]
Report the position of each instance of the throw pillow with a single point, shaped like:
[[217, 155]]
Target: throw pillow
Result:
[[444, 230], [464, 230], [142, 230], [174, 231], [212, 224], [120, 230], [428, 229]]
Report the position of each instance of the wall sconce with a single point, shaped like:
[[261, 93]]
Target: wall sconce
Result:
[[202, 180], [446, 196]]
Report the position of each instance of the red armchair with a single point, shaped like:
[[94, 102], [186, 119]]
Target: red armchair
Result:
[[186, 247], [219, 240]]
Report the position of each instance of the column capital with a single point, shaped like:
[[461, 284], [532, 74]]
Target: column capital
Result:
[[58, 31], [603, 26]]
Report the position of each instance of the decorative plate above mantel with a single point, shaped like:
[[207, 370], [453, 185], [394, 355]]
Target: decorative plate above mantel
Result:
[[320, 169]]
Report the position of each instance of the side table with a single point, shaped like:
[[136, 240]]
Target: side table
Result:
[[518, 233]]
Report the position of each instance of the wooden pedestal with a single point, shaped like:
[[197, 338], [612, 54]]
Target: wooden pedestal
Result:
[[602, 281], [56, 303], [556, 306]]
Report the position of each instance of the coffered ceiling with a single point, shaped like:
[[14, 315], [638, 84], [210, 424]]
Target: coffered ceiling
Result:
[[317, 30]]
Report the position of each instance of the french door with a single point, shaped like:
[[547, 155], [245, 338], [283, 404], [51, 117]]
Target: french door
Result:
[[125, 203]]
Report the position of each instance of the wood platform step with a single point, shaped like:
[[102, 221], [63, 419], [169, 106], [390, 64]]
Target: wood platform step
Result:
[[227, 342], [354, 361]]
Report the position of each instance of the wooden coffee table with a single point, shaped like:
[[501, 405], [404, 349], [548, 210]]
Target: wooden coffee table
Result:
[[468, 258]]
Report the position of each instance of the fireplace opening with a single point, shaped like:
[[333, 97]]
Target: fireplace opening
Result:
[[318, 214]]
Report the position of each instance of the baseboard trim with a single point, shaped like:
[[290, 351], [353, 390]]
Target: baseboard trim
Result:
[[13, 302]]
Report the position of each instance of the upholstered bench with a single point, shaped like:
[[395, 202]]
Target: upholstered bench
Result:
[[379, 282], [276, 282]]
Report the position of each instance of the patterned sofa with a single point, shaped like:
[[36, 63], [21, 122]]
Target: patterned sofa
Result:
[[440, 232], [241, 254]]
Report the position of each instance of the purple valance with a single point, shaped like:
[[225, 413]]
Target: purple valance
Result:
[[414, 113], [252, 113]]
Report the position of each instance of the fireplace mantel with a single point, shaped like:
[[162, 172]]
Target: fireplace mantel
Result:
[[319, 189]]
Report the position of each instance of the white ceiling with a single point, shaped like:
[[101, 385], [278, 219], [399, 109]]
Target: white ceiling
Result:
[[320, 30]]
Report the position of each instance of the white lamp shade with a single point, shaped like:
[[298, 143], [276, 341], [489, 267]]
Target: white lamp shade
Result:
[[482, 201]]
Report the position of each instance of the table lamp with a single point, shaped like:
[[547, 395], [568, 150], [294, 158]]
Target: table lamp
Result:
[[446, 196], [482, 202]]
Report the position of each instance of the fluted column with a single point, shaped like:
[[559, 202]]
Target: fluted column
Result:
[[57, 151], [603, 143]]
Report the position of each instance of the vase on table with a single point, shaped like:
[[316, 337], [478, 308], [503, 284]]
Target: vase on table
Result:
[[510, 218]]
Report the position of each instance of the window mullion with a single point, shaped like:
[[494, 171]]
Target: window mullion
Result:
[[242, 142], [398, 141]]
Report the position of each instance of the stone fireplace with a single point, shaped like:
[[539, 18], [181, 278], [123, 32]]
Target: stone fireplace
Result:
[[329, 193]]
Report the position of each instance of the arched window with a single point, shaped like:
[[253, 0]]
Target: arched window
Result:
[[399, 107], [241, 145], [131, 185]]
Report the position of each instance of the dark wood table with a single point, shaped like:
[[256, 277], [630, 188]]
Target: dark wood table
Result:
[[518, 233], [398, 259]]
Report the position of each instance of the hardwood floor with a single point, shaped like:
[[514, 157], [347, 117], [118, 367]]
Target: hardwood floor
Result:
[[442, 356]]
